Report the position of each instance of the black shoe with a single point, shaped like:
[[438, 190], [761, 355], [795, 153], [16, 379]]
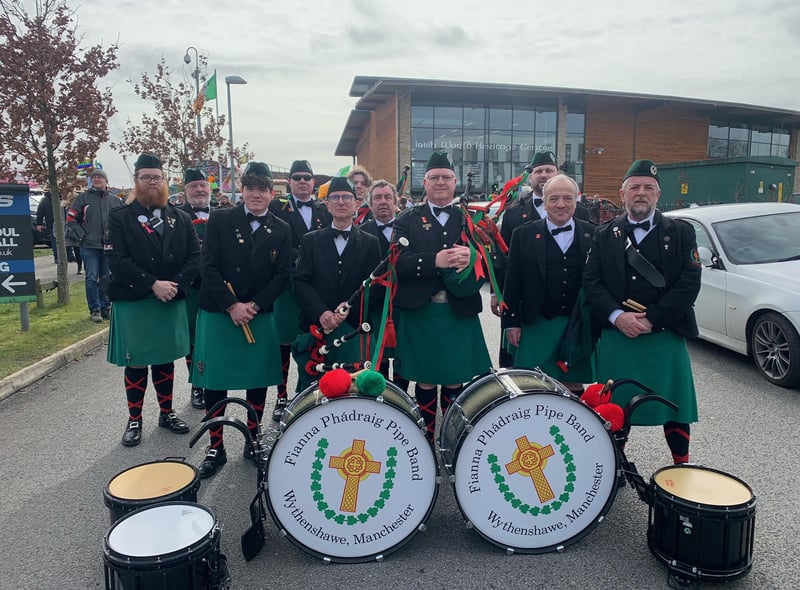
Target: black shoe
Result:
[[105, 313], [172, 422], [133, 433], [250, 454], [198, 401], [215, 458], [280, 406]]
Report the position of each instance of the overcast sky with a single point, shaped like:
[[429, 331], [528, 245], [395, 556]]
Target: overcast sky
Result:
[[299, 58]]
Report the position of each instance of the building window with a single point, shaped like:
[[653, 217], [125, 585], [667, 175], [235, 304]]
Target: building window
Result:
[[491, 143], [731, 140]]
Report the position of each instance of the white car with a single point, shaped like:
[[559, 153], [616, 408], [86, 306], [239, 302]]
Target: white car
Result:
[[749, 301]]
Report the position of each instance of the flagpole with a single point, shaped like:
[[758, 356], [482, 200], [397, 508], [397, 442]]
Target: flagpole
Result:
[[219, 154]]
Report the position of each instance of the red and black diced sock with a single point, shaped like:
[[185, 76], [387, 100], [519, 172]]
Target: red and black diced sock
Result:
[[256, 398], [163, 379], [188, 360], [426, 400], [211, 398], [449, 395], [678, 436], [135, 386], [286, 353]]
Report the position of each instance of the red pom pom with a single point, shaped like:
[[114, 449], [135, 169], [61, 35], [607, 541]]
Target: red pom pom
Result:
[[594, 396], [613, 414], [335, 383]]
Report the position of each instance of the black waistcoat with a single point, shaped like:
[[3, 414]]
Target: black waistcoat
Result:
[[636, 286], [563, 274]]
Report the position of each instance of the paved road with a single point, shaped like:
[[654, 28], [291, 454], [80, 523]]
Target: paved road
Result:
[[60, 447]]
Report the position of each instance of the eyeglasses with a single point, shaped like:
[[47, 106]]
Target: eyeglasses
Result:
[[148, 179], [305, 177], [438, 177], [336, 198]]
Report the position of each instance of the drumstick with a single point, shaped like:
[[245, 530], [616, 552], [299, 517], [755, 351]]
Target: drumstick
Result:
[[248, 335], [634, 305]]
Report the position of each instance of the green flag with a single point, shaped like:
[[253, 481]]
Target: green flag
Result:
[[211, 88]]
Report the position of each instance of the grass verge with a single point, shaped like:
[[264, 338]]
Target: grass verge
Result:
[[52, 328]]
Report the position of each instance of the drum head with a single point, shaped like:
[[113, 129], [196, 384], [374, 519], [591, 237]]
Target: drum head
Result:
[[160, 529], [536, 472], [352, 479], [152, 480], [701, 485]]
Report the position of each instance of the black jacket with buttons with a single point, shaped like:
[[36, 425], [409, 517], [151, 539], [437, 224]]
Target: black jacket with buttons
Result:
[[140, 255], [255, 263]]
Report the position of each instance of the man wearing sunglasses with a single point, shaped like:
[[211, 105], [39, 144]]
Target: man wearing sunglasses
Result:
[[332, 264], [303, 213]]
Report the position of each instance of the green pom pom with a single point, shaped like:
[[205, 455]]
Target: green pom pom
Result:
[[371, 383]]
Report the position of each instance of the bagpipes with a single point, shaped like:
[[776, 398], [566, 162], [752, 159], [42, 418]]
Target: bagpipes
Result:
[[315, 343]]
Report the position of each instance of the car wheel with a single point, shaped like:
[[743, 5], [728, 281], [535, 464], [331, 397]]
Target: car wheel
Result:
[[775, 345]]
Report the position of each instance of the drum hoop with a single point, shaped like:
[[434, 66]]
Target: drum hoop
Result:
[[119, 502], [164, 560], [580, 534], [372, 556], [384, 401], [659, 491]]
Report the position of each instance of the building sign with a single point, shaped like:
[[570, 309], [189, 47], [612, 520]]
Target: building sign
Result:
[[17, 274], [479, 145]]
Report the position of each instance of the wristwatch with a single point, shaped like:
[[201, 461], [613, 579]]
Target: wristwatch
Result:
[[255, 306]]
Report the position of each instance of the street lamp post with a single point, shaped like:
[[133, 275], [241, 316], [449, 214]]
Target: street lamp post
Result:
[[228, 81], [187, 60]]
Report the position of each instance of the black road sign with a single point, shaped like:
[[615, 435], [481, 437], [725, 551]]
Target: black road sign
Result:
[[17, 274]]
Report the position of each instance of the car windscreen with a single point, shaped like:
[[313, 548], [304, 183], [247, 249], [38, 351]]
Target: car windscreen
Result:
[[760, 239]]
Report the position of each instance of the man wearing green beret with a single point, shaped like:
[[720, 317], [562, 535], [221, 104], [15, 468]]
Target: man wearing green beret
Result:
[[245, 266], [153, 256], [642, 277], [439, 337], [303, 213], [198, 207]]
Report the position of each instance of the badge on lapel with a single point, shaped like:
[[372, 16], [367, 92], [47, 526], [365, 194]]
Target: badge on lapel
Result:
[[239, 237], [171, 222], [616, 231], [273, 254], [425, 223]]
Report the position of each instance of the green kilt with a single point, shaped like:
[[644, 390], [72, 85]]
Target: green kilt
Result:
[[660, 361], [224, 360], [539, 348], [286, 314], [437, 346], [191, 311], [147, 332]]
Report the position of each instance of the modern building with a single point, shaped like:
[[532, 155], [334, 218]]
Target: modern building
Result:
[[493, 130]]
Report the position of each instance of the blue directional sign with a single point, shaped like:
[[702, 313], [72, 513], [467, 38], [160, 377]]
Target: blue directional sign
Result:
[[17, 272]]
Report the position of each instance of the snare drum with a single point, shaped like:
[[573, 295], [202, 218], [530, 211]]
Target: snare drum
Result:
[[534, 468], [169, 546], [148, 484], [351, 479], [702, 522]]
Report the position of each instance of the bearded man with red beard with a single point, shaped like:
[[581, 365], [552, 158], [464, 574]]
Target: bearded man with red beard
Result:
[[154, 259]]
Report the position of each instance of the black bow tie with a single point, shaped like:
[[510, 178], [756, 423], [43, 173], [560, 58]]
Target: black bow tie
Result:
[[557, 230], [200, 209], [387, 224], [446, 208], [308, 203], [537, 202], [345, 233], [262, 219], [645, 225]]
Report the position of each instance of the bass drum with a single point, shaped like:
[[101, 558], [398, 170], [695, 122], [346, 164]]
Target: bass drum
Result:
[[171, 546], [351, 479], [534, 469], [702, 522]]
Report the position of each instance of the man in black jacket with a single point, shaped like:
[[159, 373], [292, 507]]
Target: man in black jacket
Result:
[[87, 225], [333, 263], [244, 267], [543, 277], [303, 213], [439, 336], [153, 258], [642, 277]]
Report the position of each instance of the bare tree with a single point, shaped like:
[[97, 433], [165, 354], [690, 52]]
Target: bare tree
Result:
[[170, 131], [54, 115]]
